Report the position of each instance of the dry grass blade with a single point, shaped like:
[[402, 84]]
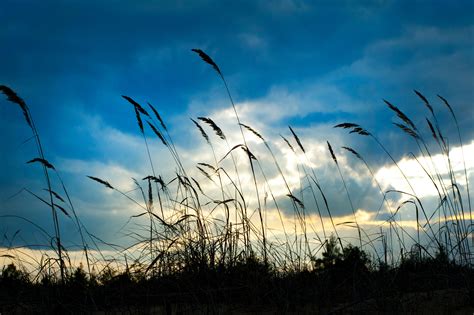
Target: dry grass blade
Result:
[[407, 130], [207, 59], [62, 210], [55, 194], [136, 105], [158, 133], [161, 220], [214, 127], [250, 154], [159, 256], [139, 120], [253, 131], [14, 98], [198, 185], [160, 181], [346, 125], [447, 104], [101, 181], [297, 139], [158, 116], [139, 215], [355, 128], [183, 218], [433, 132], [42, 161], [348, 223], [288, 143], [203, 133], [296, 200], [400, 114], [233, 148], [8, 256], [204, 172], [151, 177], [208, 166], [219, 202], [423, 98], [332, 152], [353, 152], [360, 131], [440, 204], [150, 194]]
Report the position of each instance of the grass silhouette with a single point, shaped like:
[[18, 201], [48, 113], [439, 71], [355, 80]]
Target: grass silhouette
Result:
[[189, 259]]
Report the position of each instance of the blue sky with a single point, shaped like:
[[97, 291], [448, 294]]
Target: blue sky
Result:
[[308, 64]]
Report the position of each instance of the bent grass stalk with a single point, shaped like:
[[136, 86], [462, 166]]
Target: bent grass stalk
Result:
[[347, 191], [209, 61], [13, 97]]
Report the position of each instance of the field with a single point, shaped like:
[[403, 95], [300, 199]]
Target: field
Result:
[[223, 243]]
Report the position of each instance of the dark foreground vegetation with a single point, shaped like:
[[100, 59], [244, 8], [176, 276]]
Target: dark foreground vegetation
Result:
[[210, 250], [340, 283]]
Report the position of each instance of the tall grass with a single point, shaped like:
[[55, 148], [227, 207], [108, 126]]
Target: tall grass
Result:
[[186, 233], [46, 166]]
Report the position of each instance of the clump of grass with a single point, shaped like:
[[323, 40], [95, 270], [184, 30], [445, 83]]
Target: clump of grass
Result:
[[14, 98]]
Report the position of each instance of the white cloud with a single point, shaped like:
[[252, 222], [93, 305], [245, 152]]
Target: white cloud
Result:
[[390, 176]]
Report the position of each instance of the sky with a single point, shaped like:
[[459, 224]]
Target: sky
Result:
[[305, 64]]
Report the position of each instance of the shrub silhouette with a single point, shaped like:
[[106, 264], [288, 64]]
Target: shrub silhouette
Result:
[[12, 275]]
